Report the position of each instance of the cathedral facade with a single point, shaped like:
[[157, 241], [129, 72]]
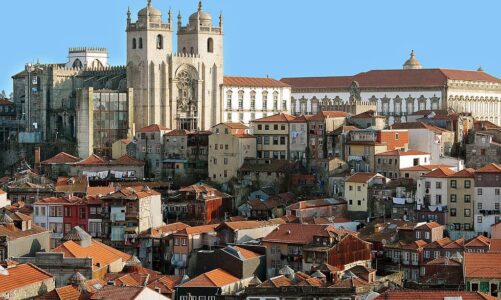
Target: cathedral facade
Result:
[[176, 89]]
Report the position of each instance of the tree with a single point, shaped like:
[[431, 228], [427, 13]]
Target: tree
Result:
[[3, 95]]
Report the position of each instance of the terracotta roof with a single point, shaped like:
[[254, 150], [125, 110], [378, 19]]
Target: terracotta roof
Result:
[[238, 225], [367, 114], [478, 241], [127, 160], [490, 168], [252, 81], [6, 102], [419, 125], [482, 265], [441, 243], [101, 254], [482, 125], [244, 136], [445, 261], [99, 190], [236, 125], [328, 114], [291, 233], [391, 78], [152, 128], [440, 172], [111, 292], [425, 168], [432, 295], [161, 231], [465, 173], [402, 153], [429, 225], [281, 117], [22, 275], [13, 233], [362, 177], [246, 254], [198, 229], [177, 132], [61, 158], [215, 278], [93, 159], [68, 292], [277, 281], [66, 200]]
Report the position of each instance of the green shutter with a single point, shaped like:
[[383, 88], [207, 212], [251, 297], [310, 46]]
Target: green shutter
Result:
[[484, 287], [468, 286]]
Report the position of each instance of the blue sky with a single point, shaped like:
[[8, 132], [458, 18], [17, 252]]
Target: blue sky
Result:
[[271, 37]]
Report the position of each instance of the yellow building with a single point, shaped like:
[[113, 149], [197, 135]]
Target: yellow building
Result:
[[272, 135], [229, 145], [461, 186], [356, 190]]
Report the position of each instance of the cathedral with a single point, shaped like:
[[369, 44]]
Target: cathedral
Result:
[[175, 89]]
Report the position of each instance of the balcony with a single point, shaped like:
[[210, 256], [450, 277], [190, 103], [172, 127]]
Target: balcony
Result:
[[489, 212]]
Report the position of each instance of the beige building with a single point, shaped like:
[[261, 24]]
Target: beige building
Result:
[[175, 89], [272, 136], [356, 190], [461, 186], [229, 145]]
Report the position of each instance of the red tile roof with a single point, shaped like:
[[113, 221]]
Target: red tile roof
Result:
[[244, 136], [235, 125], [402, 153], [362, 177], [93, 159], [478, 241], [429, 225], [367, 114], [247, 254], [465, 173], [490, 168], [419, 125], [391, 78], [425, 167], [482, 265], [440, 172], [252, 81], [152, 128], [198, 229], [215, 278], [432, 295], [5, 102], [281, 117], [111, 292], [127, 160], [177, 132], [20, 276], [238, 225], [61, 158], [291, 233]]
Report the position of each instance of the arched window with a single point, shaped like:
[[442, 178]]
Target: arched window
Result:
[[134, 43], [184, 50], [192, 51], [140, 43], [77, 63], [160, 41], [210, 45]]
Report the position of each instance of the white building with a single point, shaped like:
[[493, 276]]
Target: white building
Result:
[[92, 58], [432, 188], [487, 198], [400, 92], [250, 98], [390, 163], [3, 199]]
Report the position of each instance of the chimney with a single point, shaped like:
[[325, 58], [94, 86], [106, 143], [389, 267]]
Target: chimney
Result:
[[37, 159]]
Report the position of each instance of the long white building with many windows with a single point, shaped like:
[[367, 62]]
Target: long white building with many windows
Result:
[[401, 92]]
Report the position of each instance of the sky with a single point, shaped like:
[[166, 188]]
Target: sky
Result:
[[278, 38]]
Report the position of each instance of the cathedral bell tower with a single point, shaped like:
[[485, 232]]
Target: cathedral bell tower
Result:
[[149, 42], [200, 62]]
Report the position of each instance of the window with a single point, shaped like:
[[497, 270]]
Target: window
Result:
[[359, 188], [259, 127], [350, 187], [479, 192], [453, 184], [81, 212], [396, 136], [467, 198], [140, 43], [266, 127], [438, 185], [427, 235], [467, 184], [67, 211], [427, 184], [418, 235], [210, 45], [241, 100], [266, 139], [436, 254], [284, 105], [282, 140], [453, 198], [467, 212], [479, 219], [275, 101], [134, 44], [67, 228], [225, 160], [359, 202], [496, 206], [275, 140], [265, 100], [479, 205], [438, 199], [427, 254], [496, 192], [253, 100], [160, 41], [453, 212], [228, 100]]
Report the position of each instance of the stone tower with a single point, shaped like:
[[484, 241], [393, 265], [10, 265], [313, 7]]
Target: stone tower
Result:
[[177, 90], [149, 43]]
